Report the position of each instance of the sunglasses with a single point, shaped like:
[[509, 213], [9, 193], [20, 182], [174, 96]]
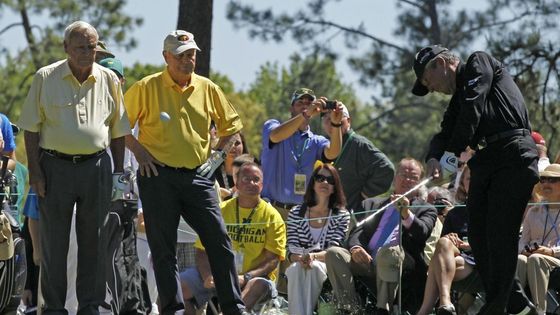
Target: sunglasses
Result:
[[322, 178], [551, 180]]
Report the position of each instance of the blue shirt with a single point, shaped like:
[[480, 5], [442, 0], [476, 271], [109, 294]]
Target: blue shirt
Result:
[[31, 208], [281, 161], [7, 134]]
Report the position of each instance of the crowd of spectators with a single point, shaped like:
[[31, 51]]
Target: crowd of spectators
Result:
[[313, 216]]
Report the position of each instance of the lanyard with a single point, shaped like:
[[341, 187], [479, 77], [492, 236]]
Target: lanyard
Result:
[[248, 220], [297, 155], [553, 227], [344, 147]]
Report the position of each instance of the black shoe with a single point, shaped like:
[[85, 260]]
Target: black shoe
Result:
[[530, 309], [380, 311], [446, 310]]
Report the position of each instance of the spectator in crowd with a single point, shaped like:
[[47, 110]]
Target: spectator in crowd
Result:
[[364, 170], [174, 109], [101, 52], [68, 164], [449, 263], [504, 168], [115, 65], [259, 240], [290, 150], [372, 249], [224, 174], [442, 199], [7, 139], [319, 223], [542, 150], [539, 246]]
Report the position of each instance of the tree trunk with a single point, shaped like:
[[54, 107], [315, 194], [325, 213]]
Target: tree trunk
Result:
[[195, 16]]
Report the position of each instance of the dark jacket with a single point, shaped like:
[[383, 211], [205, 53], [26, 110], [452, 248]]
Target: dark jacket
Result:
[[414, 239], [486, 102]]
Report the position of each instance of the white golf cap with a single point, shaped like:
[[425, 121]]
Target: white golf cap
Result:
[[179, 41]]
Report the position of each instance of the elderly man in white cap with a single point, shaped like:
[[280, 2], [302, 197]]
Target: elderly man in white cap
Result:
[[539, 246], [174, 109], [365, 171]]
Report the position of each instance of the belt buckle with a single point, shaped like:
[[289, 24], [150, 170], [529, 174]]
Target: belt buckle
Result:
[[75, 159]]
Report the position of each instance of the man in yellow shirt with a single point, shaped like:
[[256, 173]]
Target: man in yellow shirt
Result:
[[174, 109], [259, 240], [72, 113]]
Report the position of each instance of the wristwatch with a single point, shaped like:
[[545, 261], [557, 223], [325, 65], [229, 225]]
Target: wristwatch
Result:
[[247, 276]]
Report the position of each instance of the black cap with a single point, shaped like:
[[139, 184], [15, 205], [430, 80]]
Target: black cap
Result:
[[420, 61]]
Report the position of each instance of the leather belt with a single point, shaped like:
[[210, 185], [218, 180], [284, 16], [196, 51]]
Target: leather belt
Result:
[[180, 169], [74, 158], [285, 206], [506, 134]]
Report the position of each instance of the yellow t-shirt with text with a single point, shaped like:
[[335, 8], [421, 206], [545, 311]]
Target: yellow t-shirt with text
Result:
[[266, 230]]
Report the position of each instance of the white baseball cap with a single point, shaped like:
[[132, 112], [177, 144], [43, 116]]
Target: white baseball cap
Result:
[[179, 41]]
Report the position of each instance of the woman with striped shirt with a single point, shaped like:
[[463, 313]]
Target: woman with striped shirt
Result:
[[319, 223]]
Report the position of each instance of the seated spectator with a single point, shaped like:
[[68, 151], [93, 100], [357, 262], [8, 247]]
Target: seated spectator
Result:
[[539, 246], [372, 249], [319, 223], [258, 236], [449, 263]]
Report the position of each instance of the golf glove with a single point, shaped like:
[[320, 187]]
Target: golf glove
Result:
[[214, 161], [448, 163]]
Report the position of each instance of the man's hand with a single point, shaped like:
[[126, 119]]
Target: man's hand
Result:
[[214, 161], [37, 182], [146, 162], [336, 114], [402, 205], [120, 183], [543, 250], [360, 255], [209, 282]]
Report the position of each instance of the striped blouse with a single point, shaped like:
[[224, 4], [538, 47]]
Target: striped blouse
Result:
[[299, 234]]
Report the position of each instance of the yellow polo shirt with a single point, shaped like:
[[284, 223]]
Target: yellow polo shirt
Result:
[[184, 139], [74, 118]]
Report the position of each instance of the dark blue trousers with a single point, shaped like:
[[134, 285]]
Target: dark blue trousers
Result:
[[181, 192]]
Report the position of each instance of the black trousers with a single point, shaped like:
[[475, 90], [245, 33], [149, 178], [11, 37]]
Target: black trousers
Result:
[[181, 192], [502, 178], [87, 185]]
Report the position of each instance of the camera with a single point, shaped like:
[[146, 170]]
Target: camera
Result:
[[330, 105]]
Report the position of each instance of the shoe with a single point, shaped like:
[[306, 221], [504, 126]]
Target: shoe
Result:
[[446, 310], [530, 309], [380, 311]]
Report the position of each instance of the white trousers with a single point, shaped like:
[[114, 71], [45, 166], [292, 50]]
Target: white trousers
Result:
[[304, 286]]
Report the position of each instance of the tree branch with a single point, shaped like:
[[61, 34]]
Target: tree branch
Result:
[[356, 31], [5, 29], [499, 23], [414, 4], [392, 110]]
